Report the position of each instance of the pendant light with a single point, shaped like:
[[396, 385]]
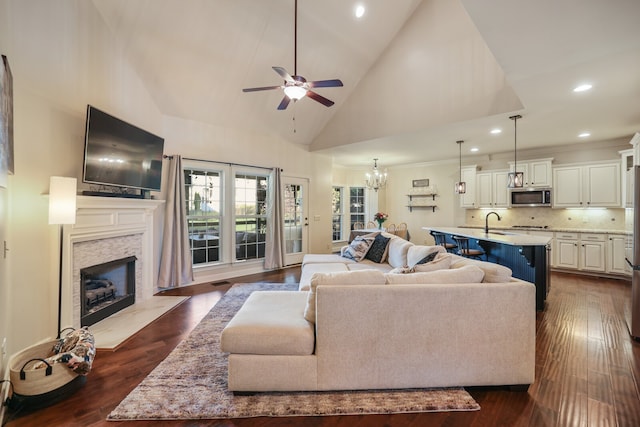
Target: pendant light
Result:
[[460, 186], [515, 178], [376, 179]]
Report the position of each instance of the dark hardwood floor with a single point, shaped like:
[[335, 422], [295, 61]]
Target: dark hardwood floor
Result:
[[587, 367]]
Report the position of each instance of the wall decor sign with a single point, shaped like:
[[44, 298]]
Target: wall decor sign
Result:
[[6, 122], [421, 182]]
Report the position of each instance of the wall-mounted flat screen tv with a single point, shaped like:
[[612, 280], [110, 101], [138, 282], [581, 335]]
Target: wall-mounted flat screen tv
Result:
[[119, 154]]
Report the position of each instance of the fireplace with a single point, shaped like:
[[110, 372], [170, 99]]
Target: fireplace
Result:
[[107, 288]]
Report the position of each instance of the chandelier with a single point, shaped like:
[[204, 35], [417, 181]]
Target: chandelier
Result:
[[376, 179], [460, 186], [515, 178]]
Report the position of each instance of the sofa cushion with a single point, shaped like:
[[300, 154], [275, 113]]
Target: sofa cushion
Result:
[[309, 270], [360, 277], [358, 248], [323, 258], [493, 273], [398, 249], [270, 323], [466, 274], [442, 261], [378, 250], [417, 253]]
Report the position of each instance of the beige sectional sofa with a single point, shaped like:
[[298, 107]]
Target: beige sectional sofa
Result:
[[386, 326]]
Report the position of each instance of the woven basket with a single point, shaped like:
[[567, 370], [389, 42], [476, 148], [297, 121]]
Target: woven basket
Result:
[[27, 381]]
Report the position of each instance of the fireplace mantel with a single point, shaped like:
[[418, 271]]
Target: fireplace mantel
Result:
[[103, 218]]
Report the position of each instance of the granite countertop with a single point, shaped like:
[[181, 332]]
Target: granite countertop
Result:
[[497, 236], [548, 229]]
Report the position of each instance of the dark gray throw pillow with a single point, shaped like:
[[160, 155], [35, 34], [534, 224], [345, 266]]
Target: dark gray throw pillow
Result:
[[378, 248], [428, 258]]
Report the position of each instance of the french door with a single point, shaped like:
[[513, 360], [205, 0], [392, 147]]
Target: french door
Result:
[[296, 219]]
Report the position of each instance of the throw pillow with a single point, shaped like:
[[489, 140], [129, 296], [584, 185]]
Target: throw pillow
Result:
[[418, 252], [493, 273], [358, 248], [442, 261], [359, 277], [398, 249], [378, 249], [466, 274], [428, 258]]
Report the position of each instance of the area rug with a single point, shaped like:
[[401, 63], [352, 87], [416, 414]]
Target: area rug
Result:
[[191, 383]]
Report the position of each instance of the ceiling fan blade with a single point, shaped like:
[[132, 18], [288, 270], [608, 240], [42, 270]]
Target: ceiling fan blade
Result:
[[255, 89], [326, 83], [321, 99], [283, 73], [284, 103]]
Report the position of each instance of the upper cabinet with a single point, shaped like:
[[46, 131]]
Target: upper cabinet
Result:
[[492, 191], [468, 199], [596, 185], [627, 178], [536, 173]]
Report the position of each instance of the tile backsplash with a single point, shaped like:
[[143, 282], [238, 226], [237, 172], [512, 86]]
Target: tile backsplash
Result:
[[580, 219]]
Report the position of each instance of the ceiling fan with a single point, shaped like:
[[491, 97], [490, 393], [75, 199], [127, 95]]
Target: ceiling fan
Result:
[[296, 87]]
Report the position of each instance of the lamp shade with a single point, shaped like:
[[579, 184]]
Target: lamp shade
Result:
[[62, 200]]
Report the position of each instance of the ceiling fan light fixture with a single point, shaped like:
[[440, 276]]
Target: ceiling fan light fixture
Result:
[[295, 92]]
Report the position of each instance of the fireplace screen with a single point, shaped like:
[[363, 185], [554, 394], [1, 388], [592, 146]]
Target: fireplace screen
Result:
[[106, 289]]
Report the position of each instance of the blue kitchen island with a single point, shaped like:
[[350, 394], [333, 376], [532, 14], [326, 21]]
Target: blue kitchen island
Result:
[[527, 256]]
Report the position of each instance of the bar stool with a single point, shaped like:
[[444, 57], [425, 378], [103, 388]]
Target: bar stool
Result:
[[463, 248], [441, 240]]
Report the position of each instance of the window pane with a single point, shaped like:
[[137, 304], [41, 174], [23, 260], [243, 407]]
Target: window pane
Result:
[[337, 212], [251, 216], [356, 206], [204, 206]]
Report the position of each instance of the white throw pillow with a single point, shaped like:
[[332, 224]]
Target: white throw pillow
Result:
[[441, 262], [466, 274], [397, 256], [417, 252], [358, 277], [493, 273]]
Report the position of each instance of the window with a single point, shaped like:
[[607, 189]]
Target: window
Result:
[[250, 216], [226, 218], [356, 206], [204, 207], [337, 212]]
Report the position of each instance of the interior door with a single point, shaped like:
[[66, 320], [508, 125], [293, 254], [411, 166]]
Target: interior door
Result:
[[296, 219]]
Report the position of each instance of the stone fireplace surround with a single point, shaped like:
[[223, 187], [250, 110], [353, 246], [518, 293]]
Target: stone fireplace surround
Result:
[[107, 229]]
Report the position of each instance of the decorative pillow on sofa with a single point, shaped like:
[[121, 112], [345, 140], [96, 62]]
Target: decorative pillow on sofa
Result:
[[466, 274], [416, 253], [442, 261], [378, 250], [493, 273], [398, 249], [358, 277], [358, 248]]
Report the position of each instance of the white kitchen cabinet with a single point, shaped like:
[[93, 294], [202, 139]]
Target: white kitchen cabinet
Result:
[[596, 185], [468, 199], [592, 252], [492, 191], [566, 250], [616, 255], [626, 166], [536, 173]]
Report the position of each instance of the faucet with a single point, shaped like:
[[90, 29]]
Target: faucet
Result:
[[486, 220]]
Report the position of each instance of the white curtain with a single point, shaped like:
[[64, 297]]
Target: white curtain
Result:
[[175, 261], [274, 250]]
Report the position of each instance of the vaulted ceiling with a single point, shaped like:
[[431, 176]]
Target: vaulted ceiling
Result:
[[418, 74]]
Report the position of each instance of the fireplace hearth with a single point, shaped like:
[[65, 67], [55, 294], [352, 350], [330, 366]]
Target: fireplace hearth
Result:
[[106, 289]]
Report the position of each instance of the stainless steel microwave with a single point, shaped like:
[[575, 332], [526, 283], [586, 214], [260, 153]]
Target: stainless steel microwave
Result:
[[530, 197]]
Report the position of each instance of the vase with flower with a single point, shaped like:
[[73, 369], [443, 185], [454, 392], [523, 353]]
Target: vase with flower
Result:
[[380, 217]]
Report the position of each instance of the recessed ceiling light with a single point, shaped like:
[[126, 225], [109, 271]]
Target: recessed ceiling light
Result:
[[496, 131], [584, 135], [582, 88], [474, 149], [359, 11]]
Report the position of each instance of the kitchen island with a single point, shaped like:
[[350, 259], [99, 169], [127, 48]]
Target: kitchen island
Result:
[[527, 256]]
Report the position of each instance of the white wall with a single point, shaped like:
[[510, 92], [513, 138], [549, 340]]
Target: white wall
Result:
[[63, 57]]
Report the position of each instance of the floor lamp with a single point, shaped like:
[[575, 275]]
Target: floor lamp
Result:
[[62, 210]]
